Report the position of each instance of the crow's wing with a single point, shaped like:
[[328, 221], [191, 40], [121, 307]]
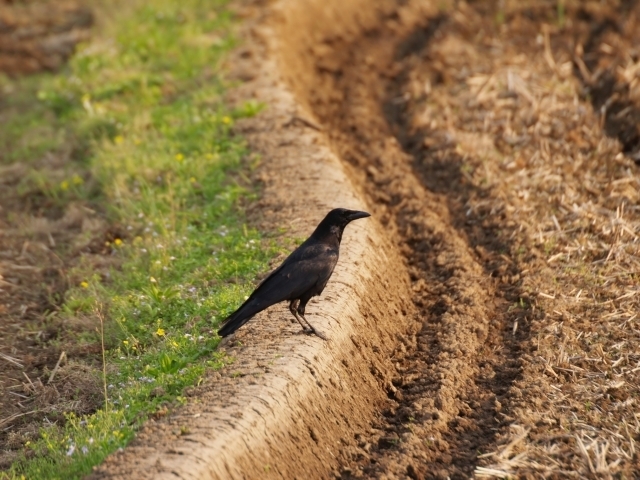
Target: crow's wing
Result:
[[293, 280], [305, 269]]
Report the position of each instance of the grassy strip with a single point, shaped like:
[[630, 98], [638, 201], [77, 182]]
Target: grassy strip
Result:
[[143, 105]]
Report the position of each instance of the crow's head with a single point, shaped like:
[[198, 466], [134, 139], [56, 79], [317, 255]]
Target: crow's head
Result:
[[342, 216], [336, 220]]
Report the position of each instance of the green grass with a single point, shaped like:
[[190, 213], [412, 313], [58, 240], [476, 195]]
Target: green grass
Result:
[[142, 108], [34, 130]]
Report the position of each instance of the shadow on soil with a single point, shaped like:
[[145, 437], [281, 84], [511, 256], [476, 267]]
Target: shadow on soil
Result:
[[607, 94]]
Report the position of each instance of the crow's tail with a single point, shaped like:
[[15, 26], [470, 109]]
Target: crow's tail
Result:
[[238, 318]]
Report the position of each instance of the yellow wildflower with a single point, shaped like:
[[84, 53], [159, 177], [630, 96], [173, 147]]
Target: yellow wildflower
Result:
[[117, 242], [84, 284], [160, 332], [118, 139], [226, 120], [64, 185], [179, 157]]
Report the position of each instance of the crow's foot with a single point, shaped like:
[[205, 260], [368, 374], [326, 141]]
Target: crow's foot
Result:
[[317, 333]]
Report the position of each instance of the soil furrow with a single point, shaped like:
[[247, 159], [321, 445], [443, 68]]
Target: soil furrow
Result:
[[440, 169], [455, 370], [460, 141]]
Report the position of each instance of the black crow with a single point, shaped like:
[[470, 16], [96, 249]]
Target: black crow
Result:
[[303, 274]]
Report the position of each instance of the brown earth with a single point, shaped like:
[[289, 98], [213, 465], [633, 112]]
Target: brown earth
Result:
[[36, 36], [484, 322]]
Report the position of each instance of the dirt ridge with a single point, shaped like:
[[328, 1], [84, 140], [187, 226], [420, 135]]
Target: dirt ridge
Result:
[[284, 407]]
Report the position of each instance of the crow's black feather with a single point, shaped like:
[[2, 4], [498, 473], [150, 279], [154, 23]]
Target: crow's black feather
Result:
[[302, 275]]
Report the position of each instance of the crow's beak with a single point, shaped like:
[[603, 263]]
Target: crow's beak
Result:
[[355, 215]]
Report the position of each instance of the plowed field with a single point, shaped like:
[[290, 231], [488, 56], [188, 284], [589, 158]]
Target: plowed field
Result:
[[491, 142], [495, 145]]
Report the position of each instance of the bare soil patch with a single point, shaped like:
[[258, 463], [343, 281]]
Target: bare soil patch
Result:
[[36, 36]]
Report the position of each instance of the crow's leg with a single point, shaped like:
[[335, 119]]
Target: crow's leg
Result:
[[315, 330], [301, 307], [293, 305]]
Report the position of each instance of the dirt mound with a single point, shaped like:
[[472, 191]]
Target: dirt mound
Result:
[[486, 324]]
